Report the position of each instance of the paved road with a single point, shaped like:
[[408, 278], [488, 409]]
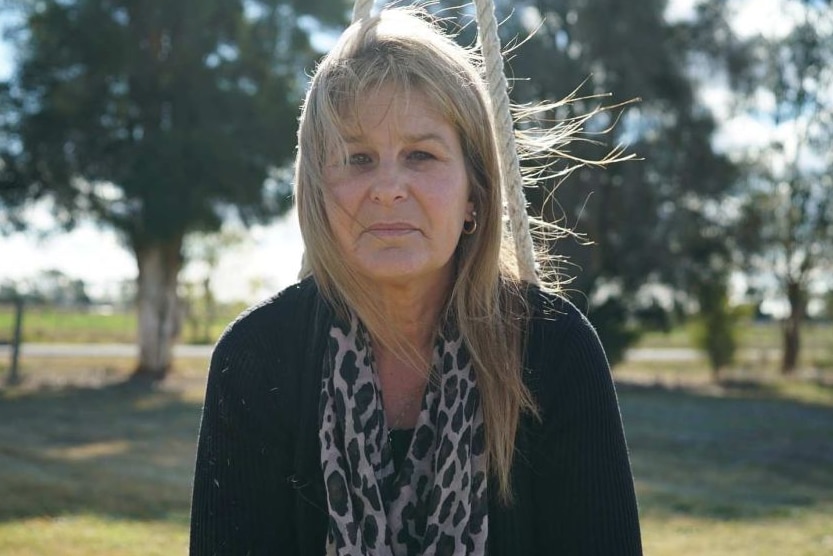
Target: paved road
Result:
[[204, 351], [98, 350], [663, 354]]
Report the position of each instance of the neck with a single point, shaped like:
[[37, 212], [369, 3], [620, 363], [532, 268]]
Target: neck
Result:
[[412, 313]]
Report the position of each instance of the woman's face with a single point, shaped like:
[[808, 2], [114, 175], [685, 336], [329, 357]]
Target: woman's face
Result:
[[398, 205]]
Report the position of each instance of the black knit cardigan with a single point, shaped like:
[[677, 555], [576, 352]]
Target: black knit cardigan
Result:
[[258, 485]]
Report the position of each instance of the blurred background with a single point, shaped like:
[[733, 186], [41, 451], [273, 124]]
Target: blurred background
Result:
[[146, 199]]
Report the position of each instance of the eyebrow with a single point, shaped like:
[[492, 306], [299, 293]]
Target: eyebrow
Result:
[[428, 136]]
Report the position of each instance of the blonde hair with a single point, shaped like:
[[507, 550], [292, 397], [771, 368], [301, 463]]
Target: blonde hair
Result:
[[406, 50]]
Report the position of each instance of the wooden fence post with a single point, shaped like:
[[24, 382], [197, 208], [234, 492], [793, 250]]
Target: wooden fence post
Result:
[[14, 374]]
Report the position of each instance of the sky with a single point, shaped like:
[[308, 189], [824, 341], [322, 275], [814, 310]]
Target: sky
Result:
[[269, 259], [265, 262]]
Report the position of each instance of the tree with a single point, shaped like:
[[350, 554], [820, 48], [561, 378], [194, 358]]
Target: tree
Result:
[[714, 328], [784, 83], [56, 288], [643, 218], [158, 118]]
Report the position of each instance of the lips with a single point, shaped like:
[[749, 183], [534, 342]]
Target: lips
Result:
[[391, 228]]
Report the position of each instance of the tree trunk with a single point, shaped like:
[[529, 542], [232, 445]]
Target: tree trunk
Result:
[[159, 318], [792, 328]]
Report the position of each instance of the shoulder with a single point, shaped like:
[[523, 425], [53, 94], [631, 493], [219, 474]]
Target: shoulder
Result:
[[273, 319], [554, 316], [563, 350], [257, 365], [268, 341], [282, 309]]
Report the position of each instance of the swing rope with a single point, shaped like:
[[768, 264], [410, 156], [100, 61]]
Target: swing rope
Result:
[[505, 129], [499, 95], [361, 9]]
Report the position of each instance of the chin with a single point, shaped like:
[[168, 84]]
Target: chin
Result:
[[403, 273], [393, 275]]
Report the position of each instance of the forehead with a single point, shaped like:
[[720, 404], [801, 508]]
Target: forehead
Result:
[[388, 108]]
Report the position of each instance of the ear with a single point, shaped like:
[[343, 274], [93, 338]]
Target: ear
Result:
[[469, 210]]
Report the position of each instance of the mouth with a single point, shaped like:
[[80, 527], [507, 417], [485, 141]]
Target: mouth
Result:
[[391, 229]]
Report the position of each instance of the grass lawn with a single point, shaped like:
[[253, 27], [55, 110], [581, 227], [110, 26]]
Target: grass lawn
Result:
[[745, 470], [92, 466]]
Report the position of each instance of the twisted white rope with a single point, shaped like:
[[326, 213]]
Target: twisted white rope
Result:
[[361, 9], [513, 183]]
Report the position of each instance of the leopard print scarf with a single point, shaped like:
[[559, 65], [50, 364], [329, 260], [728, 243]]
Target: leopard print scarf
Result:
[[436, 504]]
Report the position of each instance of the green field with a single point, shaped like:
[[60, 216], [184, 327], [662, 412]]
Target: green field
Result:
[[94, 466], [44, 324], [58, 325], [816, 335]]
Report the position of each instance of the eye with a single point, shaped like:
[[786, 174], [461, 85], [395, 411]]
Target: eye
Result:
[[421, 155], [359, 159]]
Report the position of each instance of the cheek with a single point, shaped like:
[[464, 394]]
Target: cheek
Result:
[[342, 196], [342, 222], [454, 200], [335, 216]]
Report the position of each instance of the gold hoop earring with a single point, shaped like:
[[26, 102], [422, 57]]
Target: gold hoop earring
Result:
[[470, 226]]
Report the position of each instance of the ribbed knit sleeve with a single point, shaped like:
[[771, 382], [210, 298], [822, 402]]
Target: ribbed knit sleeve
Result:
[[581, 481], [242, 502]]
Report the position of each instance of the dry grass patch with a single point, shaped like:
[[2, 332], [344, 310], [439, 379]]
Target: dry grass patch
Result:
[[89, 535], [804, 533]]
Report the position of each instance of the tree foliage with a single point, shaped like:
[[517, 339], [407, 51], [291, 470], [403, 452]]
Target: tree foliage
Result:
[[154, 116], [783, 83], [158, 118], [714, 332], [650, 223]]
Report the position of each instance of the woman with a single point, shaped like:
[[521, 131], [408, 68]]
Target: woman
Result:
[[411, 395]]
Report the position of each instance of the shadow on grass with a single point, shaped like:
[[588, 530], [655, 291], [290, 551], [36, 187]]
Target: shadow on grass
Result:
[[122, 450], [744, 452], [126, 450], [822, 384]]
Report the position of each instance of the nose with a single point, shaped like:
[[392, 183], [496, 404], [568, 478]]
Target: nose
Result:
[[389, 184]]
